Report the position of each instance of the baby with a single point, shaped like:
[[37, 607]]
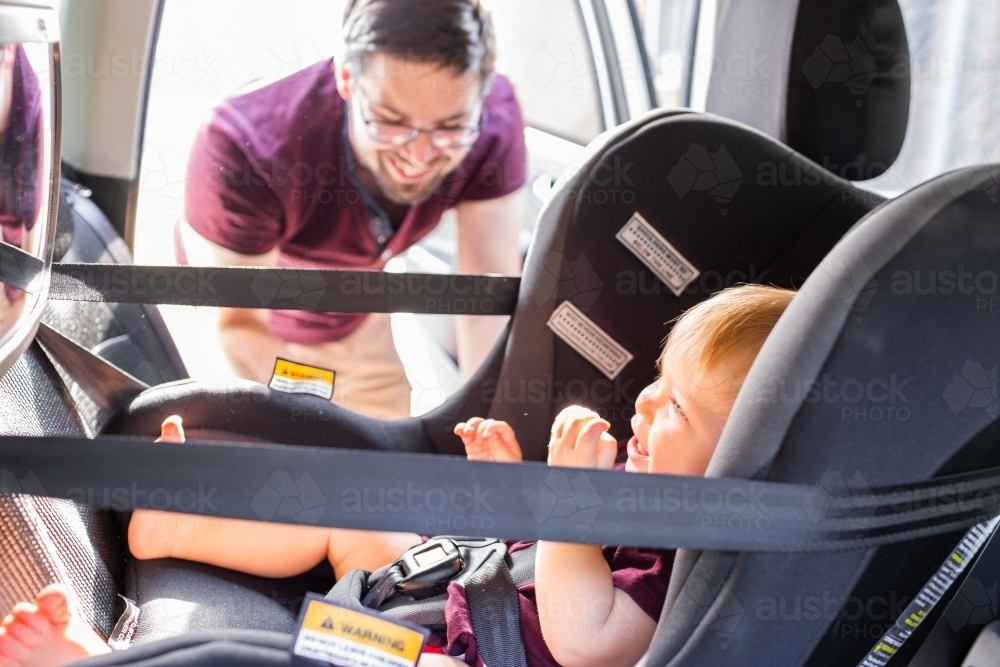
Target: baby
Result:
[[677, 424]]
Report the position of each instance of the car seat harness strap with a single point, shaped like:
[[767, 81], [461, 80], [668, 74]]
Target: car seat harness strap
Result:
[[415, 588]]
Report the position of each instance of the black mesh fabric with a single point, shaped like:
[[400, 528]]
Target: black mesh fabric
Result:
[[132, 337], [44, 540]]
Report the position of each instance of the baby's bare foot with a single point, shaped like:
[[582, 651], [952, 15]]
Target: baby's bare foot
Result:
[[47, 633]]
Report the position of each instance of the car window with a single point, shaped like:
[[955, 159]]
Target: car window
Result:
[[954, 69], [668, 28], [208, 50], [543, 48]]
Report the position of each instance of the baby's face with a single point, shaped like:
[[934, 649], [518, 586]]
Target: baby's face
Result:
[[679, 419]]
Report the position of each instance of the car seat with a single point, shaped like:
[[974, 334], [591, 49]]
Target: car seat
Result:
[[694, 177], [881, 372]]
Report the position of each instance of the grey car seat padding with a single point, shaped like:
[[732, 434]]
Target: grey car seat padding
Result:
[[830, 79], [986, 651], [855, 322]]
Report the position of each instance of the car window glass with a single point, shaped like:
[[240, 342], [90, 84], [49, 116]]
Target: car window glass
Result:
[[954, 65], [208, 50], [668, 28], [544, 50]]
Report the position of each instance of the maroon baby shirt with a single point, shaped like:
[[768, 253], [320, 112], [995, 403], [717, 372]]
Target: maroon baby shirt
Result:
[[643, 574], [273, 168]]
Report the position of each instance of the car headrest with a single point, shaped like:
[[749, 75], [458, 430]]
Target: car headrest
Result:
[[882, 371], [830, 79], [733, 203]]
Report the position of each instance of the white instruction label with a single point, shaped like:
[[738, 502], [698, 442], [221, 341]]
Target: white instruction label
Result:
[[656, 252], [581, 334]]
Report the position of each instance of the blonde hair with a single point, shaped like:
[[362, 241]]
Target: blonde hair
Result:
[[727, 329]]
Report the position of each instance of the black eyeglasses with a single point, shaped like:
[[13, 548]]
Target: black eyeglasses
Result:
[[444, 138]]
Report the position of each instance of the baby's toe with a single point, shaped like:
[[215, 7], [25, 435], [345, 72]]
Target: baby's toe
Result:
[[53, 604], [28, 616], [13, 652]]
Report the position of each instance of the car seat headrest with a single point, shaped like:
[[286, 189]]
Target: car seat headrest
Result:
[[830, 79]]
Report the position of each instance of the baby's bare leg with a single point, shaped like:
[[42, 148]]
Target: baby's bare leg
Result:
[[264, 549], [366, 549]]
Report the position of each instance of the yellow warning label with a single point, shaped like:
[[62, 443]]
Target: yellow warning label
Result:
[[882, 647], [344, 636], [294, 378]]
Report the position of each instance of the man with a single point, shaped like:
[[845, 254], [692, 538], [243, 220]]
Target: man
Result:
[[345, 165]]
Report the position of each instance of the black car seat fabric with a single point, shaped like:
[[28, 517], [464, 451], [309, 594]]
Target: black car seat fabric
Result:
[[830, 79], [44, 540], [880, 372], [738, 205], [132, 337], [235, 648], [178, 597]]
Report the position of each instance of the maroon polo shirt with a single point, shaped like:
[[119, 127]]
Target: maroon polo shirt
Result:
[[273, 168]]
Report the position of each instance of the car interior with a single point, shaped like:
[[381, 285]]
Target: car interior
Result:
[[773, 188]]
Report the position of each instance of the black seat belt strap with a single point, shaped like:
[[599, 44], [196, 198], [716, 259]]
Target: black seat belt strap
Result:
[[107, 385], [19, 269], [496, 499], [320, 290]]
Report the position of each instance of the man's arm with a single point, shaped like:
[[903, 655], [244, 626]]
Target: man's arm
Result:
[[244, 333], [487, 243]]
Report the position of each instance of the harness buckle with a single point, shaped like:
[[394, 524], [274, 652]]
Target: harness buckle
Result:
[[429, 568]]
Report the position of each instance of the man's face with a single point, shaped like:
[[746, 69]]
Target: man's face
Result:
[[415, 94]]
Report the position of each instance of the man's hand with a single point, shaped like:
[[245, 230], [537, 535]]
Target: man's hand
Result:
[[489, 440], [580, 439]]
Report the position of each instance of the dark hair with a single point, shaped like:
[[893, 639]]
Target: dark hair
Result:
[[458, 34]]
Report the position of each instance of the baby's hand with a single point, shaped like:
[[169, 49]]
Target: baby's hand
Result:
[[580, 439], [172, 430], [489, 440]]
